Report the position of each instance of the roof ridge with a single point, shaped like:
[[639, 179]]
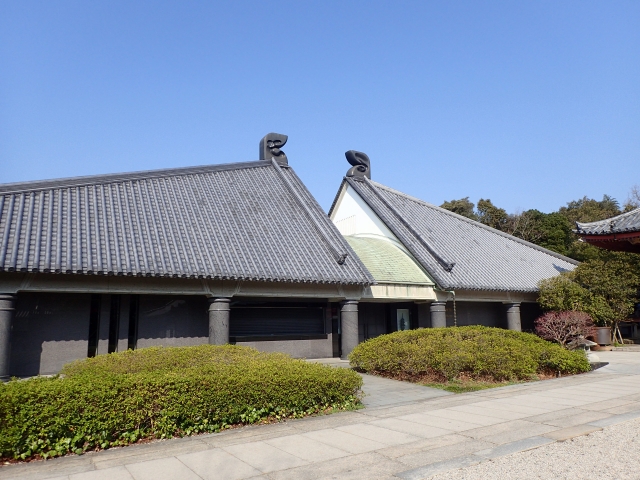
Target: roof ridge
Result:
[[478, 224], [330, 233], [107, 178], [337, 196]]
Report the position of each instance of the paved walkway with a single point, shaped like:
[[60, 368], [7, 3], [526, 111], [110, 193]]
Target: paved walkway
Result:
[[406, 432]]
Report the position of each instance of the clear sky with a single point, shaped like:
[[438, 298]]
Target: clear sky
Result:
[[531, 104]]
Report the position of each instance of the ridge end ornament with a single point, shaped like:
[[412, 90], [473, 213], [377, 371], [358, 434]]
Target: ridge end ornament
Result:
[[270, 147], [361, 164]]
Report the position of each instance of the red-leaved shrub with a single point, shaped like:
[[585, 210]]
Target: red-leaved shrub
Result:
[[563, 327]]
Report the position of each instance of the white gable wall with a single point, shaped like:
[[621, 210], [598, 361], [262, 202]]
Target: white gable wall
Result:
[[353, 216]]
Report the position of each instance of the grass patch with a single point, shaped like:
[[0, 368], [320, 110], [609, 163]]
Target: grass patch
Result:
[[462, 386], [133, 396], [463, 358]]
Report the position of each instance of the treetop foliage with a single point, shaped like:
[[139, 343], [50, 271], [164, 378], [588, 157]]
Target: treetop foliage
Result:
[[606, 285], [554, 230], [463, 207]]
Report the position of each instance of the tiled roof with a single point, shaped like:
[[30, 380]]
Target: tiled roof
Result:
[[457, 252], [387, 262], [246, 221], [627, 222]]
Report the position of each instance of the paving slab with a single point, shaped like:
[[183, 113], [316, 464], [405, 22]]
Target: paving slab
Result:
[[502, 414], [378, 434], [578, 419], [264, 457], [607, 404], [513, 447], [307, 449], [555, 415], [411, 428], [630, 407], [162, 469], [422, 445], [115, 473], [381, 391], [509, 431], [435, 455], [326, 421], [571, 432], [439, 422], [614, 419], [348, 442], [366, 465], [163, 450], [512, 405], [216, 464], [477, 418], [40, 469], [427, 471]]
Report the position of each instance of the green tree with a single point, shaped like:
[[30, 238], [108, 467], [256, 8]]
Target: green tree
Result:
[[463, 207], [606, 288], [491, 215], [590, 210], [549, 230]]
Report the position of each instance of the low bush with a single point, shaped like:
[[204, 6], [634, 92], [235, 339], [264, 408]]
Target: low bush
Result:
[[475, 352], [158, 392]]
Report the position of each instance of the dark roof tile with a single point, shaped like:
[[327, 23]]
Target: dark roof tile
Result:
[[483, 258], [248, 221], [626, 222]]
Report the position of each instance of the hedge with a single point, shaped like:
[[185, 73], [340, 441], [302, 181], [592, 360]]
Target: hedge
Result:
[[120, 398], [472, 352]]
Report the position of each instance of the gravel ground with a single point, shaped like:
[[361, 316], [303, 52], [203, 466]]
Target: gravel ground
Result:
[[612, 453]]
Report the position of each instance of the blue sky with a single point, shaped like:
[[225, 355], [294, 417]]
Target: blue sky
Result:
[[530, 104]]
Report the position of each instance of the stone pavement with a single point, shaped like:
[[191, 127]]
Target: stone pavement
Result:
[[406, 431]]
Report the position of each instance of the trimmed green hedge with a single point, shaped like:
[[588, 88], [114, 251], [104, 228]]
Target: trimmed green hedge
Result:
[[475, 352], [157, 392]]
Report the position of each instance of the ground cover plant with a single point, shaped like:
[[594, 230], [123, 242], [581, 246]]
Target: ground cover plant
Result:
[[465, 358], [158, 392]]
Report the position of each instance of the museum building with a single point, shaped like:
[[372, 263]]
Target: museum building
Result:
[[242, 253]]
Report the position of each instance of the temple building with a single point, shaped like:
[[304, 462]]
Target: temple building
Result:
[[620, 233], [242, 253], [237, 253]]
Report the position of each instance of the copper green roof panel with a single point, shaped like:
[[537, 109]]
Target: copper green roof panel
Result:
[[387, 262]]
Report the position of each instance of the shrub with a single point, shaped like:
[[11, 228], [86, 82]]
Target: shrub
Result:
[[563, 327], [158, 392], [462, 352]]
